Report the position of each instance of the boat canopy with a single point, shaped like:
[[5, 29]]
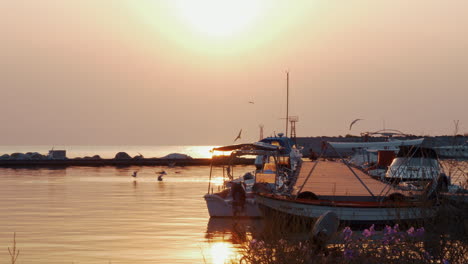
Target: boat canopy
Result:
[[286, 143], [376, 145], [254, 146]]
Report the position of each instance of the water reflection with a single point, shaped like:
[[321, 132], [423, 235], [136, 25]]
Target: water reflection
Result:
[[102, 215], [226, 235], [221, 252], [161, 186]]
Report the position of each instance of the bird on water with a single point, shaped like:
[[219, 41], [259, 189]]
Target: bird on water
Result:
[[160, 177], [134, 174]]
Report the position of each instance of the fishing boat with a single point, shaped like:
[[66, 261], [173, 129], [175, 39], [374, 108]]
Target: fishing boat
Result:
[[235, 198], [352, 194]]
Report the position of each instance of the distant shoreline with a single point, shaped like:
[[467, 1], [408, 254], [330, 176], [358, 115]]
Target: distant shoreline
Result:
[[119, 162]]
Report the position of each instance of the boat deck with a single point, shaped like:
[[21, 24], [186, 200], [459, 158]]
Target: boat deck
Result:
[[331, 178]]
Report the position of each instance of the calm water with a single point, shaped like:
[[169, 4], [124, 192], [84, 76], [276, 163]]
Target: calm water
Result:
[[103, 215]]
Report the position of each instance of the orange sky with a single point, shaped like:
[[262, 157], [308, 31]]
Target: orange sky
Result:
[[171, 72]]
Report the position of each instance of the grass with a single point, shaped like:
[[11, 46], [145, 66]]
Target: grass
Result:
[[14, 252]]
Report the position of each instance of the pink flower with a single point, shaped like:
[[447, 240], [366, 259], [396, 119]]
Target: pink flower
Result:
[[419, 232], [369, 232], [347, 233], [388, 230]]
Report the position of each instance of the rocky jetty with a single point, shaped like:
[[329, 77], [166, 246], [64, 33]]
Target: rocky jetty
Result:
[[23, 156], [122, 156], [177, 156], [121, 159]]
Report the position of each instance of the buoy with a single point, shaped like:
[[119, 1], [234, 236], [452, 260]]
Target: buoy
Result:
[[325, 226]]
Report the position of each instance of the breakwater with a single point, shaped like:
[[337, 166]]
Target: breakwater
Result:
[[123, 162]]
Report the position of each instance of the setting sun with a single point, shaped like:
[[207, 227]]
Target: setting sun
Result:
[[218, 18]]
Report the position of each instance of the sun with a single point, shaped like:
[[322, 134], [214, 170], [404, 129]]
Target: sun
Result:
[[218, 18]]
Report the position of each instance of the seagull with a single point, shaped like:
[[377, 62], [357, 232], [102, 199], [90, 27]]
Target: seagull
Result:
[[352, 123], [134, 174], [238, 136]]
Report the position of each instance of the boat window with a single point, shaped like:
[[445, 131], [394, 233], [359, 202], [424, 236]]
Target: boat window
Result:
[[269, 167], [275, 143]]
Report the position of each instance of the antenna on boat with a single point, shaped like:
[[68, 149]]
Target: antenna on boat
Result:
[[293, 120], [287, 101], [456, 122], [261, 131]]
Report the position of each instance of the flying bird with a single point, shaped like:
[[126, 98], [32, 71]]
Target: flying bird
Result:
[[134, 174], [238, 136], [352, 123], [251, 102]]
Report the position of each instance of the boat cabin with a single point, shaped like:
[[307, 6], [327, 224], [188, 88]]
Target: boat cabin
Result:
[[414, 163]]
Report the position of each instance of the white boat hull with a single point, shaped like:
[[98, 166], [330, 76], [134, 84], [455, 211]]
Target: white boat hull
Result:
[[345, 213], [390, 145], [219, 207], [458, 152]]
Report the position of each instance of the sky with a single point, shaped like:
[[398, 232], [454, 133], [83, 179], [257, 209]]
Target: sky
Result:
[[182, 72]]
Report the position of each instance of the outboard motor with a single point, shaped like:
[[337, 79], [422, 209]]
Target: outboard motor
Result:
[[443, 183], [238, 198]]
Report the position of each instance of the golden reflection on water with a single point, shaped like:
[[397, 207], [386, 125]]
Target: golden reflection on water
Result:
[[221, 252], [102, 215], [217, 181], [227, 236]]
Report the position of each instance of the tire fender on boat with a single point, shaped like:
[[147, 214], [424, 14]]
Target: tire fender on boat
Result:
[[307, 195], [396, 197]]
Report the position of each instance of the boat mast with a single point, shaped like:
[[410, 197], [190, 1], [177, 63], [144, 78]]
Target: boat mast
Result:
[[287, 101]]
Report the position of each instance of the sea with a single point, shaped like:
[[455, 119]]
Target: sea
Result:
[[87, 215], [104, 215]]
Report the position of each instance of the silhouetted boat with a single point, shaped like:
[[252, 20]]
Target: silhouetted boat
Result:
[[276, 161]]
